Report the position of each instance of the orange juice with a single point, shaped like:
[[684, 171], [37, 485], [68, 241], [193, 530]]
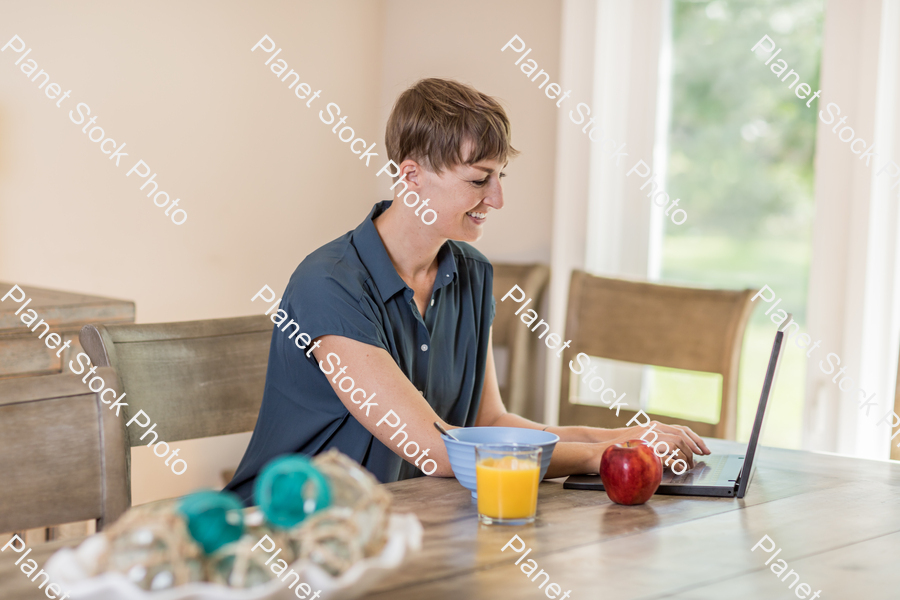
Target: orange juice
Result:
[[507, 487]]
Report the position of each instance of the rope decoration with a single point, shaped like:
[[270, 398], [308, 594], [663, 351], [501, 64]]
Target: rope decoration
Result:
[[329, 511]]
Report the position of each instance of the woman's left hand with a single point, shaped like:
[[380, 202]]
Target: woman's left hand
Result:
[[689, 440]]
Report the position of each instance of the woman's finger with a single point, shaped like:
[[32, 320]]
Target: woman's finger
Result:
[[679, 433], [694, 446], [676, 442], [686, 454], [697, 440]]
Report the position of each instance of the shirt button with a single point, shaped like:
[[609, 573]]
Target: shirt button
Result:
[[422, 392], [432, 302], [424, 347]]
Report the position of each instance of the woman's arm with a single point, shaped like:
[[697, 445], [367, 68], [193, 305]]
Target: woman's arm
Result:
[[580, 448], [373, 370]]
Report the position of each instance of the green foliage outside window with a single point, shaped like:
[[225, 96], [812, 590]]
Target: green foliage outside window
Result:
[[741, 148]]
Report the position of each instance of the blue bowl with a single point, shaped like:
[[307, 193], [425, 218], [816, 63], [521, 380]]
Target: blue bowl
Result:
[[462, 453]]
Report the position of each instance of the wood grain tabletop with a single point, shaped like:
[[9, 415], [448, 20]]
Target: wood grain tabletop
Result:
[[835, 519]]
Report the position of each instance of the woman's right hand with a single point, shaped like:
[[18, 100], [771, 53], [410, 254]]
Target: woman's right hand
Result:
[[676, 437]]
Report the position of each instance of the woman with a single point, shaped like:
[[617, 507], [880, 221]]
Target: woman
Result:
[[396, 314]]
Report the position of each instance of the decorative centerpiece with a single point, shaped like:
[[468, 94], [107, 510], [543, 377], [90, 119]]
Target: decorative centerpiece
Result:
[[326, 519]]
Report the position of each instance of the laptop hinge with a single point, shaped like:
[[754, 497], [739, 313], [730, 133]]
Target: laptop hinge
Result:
[[737, 480]]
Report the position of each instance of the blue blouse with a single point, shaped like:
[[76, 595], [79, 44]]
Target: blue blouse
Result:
[[350, 288]]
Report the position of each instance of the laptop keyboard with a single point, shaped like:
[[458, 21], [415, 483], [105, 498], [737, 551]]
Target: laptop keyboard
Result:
[[709, 468]]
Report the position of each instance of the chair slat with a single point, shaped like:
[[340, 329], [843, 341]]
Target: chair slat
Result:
[[195, 387]]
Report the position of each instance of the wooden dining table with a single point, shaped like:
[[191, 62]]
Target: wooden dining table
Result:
[[836, 521]]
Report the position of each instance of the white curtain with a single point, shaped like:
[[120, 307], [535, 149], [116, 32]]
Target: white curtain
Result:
[[853, 298], [602, 221]]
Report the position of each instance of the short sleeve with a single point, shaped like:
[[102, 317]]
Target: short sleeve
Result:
[[493, 309], [324, 304]]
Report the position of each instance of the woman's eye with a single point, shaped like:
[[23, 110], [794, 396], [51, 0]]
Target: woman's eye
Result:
[[483, 182]]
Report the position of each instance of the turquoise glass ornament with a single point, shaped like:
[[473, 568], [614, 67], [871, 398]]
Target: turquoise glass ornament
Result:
[[289, 489], [213, 518]]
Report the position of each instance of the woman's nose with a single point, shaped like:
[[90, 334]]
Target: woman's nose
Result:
[[495, 198]]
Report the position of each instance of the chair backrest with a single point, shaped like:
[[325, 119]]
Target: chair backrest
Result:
[[518, 388], [646, 323], [63, 453], [194, 379]]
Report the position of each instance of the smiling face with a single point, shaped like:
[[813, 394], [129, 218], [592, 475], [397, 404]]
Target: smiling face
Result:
[[463, 196], [451, 142]]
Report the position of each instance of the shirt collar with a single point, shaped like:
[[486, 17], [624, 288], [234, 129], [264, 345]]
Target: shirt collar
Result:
[[374, 256], [447, 272]]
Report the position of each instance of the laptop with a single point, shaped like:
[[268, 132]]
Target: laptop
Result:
[[722, 475]]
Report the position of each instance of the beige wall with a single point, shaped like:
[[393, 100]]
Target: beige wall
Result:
[[264, 182]]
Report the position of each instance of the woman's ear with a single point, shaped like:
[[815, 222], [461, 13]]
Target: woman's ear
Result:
[[411, 171]]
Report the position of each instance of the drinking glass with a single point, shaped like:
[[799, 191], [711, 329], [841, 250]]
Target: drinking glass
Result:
[[507, 477]]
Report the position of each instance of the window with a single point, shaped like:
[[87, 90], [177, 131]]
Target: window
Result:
[[740, 156]]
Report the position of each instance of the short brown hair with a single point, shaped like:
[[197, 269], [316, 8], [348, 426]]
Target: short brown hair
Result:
[[432, 120]]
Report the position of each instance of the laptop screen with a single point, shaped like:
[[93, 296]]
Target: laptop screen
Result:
[[768, 383]]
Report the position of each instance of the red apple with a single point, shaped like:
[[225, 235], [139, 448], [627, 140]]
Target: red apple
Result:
[[630, 472]]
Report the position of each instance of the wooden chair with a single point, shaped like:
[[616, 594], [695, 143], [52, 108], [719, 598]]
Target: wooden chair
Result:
[[194, 378], [518, 388], [63, 453], [647, 323]]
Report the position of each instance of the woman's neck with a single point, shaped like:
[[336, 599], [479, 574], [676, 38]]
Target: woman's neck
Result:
[[412, 251]]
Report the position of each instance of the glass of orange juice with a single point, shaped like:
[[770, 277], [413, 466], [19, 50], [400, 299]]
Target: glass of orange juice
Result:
[[507, 477]]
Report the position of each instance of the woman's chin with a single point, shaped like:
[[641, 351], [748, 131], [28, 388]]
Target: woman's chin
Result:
[[464, 232], [469, 235]]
